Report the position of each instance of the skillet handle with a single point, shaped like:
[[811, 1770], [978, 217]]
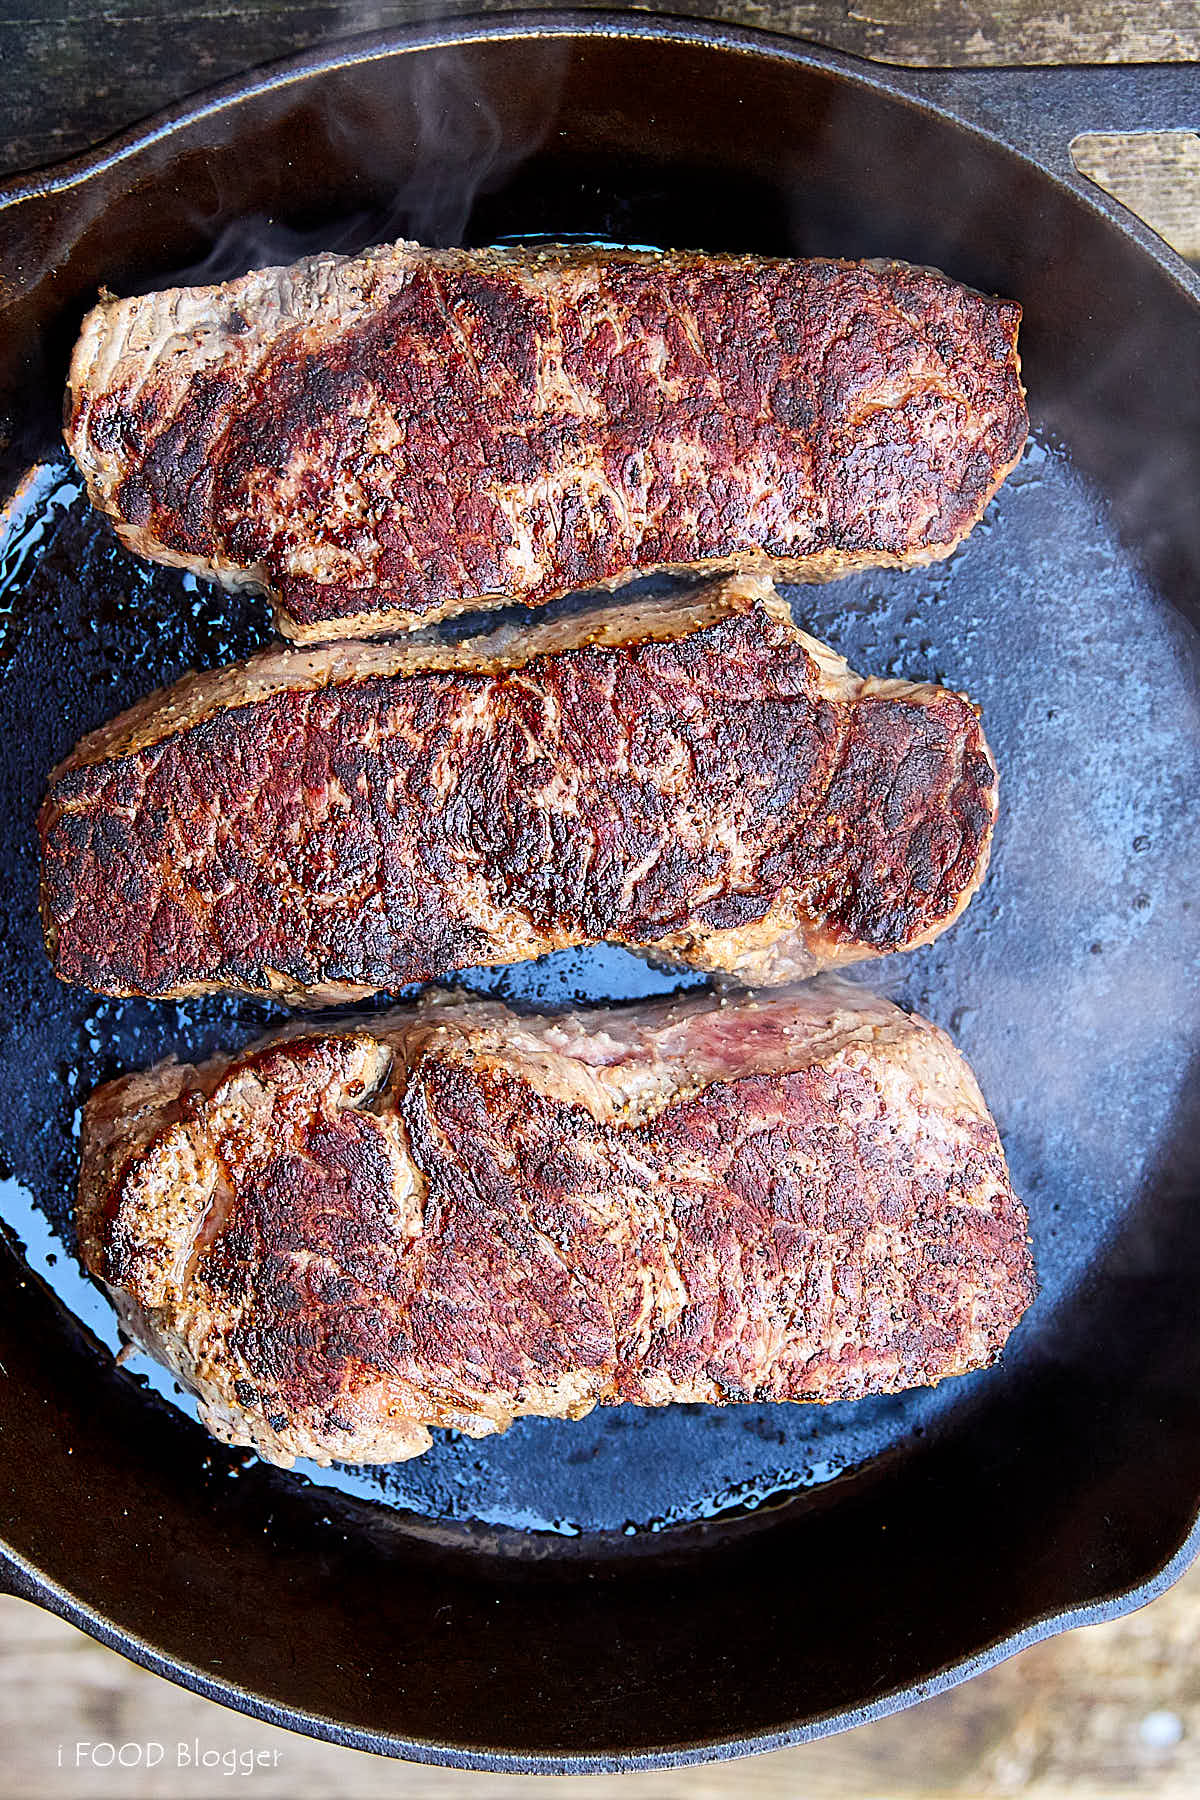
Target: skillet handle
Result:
[[1039, 111]]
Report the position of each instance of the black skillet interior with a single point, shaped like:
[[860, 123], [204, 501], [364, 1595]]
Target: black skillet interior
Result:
[[658, 1585]]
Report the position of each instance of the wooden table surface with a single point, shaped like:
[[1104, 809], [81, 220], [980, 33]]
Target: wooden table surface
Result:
[[1108, 1711]]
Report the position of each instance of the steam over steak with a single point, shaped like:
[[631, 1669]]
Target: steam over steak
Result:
[[697, 777], [388, 439], [454, 1216]]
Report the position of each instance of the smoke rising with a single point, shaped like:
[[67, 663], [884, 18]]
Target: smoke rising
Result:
[[445, 138]]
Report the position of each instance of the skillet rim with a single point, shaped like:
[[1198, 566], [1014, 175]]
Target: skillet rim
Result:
[[947, 92], [952, 96], [31, 1585]]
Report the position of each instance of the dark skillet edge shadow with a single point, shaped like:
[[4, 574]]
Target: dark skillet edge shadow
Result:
[[974, 1560]]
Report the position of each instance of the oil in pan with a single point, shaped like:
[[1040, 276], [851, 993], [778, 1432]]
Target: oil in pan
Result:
[[1049, 977]]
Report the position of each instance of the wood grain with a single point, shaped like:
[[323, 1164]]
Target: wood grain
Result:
[[1108, 1711], [75, 72], [1156, 174]]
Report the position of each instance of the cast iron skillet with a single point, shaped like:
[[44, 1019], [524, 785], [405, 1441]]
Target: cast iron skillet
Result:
[[653, 1588]]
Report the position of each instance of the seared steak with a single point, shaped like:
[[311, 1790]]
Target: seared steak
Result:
[[454, 1216], [388, 439], [697, 778]]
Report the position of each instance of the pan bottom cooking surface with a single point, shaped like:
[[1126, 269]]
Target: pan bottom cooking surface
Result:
[[1070, 984]]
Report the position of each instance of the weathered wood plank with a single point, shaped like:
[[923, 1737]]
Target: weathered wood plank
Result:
[[1156, 174], [74, 73], [1107, 1711]]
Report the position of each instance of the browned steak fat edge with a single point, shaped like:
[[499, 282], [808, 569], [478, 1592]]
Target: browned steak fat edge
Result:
[[452, 1216], [695, 778], [390, 439]]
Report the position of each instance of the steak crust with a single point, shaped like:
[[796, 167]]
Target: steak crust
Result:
[[388, 439], [452, 1216], [695, 778]]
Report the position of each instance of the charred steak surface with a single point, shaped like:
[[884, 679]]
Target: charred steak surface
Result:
[[388, 439], [697, 778], [452, 1216]]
